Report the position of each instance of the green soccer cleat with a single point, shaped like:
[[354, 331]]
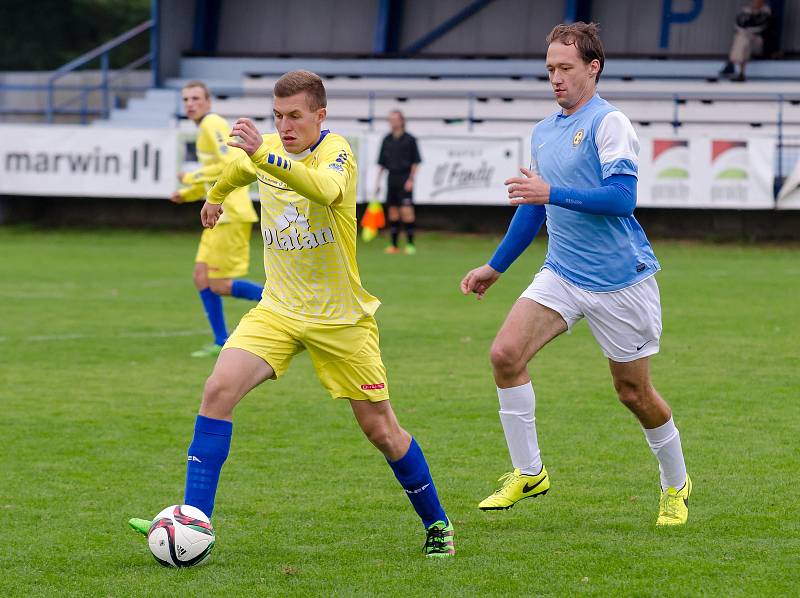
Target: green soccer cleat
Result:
[[673, 508], [515, 487], [439, 541], [140, 525], [212, 350], [410, 249]]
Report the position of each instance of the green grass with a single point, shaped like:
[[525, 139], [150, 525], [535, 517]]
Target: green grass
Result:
[[98, 400]]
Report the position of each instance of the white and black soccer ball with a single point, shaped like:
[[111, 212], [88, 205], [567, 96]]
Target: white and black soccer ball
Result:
[[181, 536]]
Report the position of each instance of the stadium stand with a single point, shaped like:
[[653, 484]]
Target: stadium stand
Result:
[[664, 87], [361, 93]]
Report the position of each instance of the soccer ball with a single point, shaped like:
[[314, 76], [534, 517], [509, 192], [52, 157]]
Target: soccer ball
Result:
[[181, 536]]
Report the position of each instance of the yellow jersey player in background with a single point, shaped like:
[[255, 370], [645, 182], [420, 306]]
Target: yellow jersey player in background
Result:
[[223, 256], [314, 301]]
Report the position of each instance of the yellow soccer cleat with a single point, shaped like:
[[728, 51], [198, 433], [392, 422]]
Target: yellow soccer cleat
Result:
[[673, 508], [516, 486]]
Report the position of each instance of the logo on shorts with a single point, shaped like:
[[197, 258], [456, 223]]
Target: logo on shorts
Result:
[[578, 138], [640, 347], [378, 386]]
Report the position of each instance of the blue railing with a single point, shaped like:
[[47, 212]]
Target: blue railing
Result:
[[107, 77], [78, 104]]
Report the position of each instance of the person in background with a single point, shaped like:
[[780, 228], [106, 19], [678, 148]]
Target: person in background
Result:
[[752, 23], [223, 256], [400, 156]]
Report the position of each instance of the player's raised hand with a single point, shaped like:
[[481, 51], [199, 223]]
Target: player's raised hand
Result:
[[175, 197], [479, 280], [210, 214], [529, 188], [249, 139]]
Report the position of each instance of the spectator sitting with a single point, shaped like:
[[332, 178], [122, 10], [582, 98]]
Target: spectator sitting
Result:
[[751, 24]]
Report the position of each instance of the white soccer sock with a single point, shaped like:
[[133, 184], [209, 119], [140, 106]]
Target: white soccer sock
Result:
[[517, 405], [665, 442]]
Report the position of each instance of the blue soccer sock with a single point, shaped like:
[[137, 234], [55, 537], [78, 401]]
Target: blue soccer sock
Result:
[[207, 453], [212, 303], [414, 476], [244, 289]]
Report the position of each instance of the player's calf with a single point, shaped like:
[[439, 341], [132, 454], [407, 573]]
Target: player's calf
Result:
[[410, 467]]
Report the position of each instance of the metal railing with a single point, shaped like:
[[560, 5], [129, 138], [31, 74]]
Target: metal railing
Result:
[[106, 78], [79, 103]]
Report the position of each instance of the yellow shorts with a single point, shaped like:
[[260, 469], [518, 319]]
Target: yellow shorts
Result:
[[346, 357], [226, 249]]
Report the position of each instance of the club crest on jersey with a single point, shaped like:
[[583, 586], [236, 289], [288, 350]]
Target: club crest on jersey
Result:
[[578, 138], [292, 231]]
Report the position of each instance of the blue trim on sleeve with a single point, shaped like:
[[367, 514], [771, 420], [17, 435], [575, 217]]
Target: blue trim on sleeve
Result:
[[617, 197], [620, 167], [522, 231]]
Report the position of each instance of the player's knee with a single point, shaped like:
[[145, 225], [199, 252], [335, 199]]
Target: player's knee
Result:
[[382, 436], [633, 396], [218, 394], [221, 286], [200, 279], [503, 357]]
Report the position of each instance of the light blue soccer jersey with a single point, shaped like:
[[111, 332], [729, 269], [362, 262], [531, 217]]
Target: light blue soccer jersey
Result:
[[596, 253]]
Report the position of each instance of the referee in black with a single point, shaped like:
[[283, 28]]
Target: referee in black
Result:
[[400, 156]]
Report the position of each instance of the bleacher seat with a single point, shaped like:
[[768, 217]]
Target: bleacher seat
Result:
[[482, 95]]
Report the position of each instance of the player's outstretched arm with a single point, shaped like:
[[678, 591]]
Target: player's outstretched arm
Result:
[[524, 227], [522, 231], [323, 185], [187, 194], [204, 174], [215, 131], [616, 197], [479, 280], [239, 173]]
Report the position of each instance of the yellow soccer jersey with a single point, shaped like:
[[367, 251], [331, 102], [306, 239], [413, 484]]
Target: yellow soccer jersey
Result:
[[214, 153], [308, 222]]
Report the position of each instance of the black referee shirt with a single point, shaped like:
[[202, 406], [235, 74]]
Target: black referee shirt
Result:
[[398, 154]]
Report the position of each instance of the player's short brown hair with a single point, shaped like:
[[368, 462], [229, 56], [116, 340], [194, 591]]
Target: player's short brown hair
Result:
[[295, 82], [585, 37], [200, 84]]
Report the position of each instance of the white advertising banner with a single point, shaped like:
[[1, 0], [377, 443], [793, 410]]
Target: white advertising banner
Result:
[[706, 172], [467, 170], [681, 171], [74, 160]]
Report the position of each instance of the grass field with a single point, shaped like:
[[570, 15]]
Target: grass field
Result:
[[99, 397]]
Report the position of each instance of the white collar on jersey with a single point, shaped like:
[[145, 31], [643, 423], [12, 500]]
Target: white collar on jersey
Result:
[[307, 152]]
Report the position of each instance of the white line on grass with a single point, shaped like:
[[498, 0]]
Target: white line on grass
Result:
[[78, 336]]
